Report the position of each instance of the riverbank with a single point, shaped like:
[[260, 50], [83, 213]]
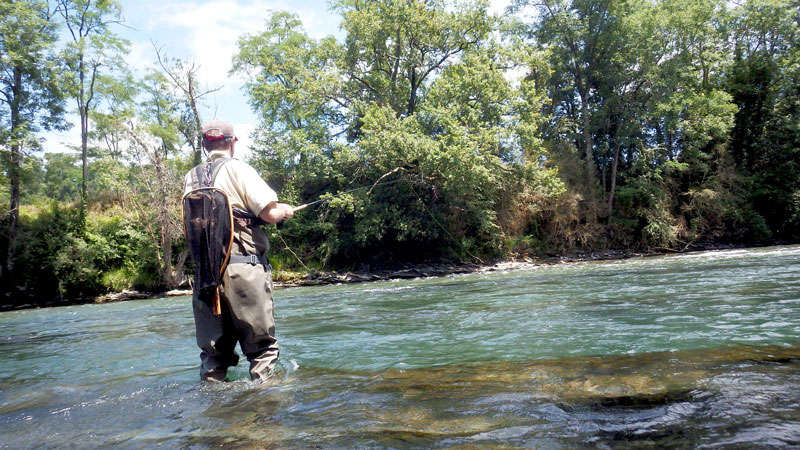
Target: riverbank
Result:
[[403, 271], [426, 270]]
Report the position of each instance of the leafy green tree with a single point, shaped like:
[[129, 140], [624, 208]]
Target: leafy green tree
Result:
[[394, 48], [114, 109], [93, 50], [62, 177], [422, 93], [763, 81], [576, 33], [31, 98], [295, 87]]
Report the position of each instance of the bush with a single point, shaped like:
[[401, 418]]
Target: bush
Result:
[[59, 262]]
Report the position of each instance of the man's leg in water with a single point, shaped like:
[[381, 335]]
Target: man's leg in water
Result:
[[249, 289], [216, 337]]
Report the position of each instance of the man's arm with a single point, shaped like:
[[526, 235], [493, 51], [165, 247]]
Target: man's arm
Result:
[[276, 212]]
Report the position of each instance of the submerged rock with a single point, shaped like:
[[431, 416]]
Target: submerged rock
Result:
[[613, 380]]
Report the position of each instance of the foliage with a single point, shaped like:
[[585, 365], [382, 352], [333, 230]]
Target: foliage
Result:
[[90, 55], [421, 95], [70, 264], [31, 98]]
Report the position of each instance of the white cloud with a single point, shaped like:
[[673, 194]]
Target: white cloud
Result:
[[141, 56], [209, 33], [243, 132], [210, 30]]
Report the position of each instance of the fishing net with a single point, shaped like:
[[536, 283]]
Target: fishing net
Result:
[[208, 226]]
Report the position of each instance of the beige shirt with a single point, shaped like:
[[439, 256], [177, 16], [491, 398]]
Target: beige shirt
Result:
[[244, 187]]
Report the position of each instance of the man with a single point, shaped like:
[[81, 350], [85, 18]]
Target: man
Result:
[[246, 285]]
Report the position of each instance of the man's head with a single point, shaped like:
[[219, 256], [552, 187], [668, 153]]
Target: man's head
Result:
[[218, 135]]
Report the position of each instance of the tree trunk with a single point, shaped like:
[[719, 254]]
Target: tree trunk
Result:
[[14, 172], [614, 165], [84, 163], [587, 138], [198, 150], [167, 275], [84, 113], [412, 97], [669, 142], [603, 177]]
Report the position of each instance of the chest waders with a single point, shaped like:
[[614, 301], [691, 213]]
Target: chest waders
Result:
[[208, 228]]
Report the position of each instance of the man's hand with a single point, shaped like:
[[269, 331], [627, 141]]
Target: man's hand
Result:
[[276, 212]]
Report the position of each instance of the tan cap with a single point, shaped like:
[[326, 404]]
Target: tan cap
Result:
[[217, 130]]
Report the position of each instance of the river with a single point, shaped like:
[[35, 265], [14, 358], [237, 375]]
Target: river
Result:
[[689, 350]]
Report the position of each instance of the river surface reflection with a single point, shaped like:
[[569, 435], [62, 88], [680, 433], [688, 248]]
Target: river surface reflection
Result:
[[690, 350]]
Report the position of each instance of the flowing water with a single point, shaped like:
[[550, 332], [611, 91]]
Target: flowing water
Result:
[[689, 350]]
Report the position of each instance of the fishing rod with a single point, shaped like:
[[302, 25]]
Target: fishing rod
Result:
[[325, 199], [244, 214], [249, 215]]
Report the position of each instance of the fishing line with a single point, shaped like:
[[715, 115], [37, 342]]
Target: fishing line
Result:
[[464, 247], [322, 200], [315, 202], [371, 187]]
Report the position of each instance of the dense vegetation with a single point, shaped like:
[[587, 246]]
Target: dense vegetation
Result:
[[564, 125]]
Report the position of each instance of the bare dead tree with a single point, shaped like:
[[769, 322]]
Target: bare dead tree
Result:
[[183, 76], [158, 204]]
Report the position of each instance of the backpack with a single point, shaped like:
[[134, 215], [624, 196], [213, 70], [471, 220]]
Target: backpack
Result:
[[208, 228]]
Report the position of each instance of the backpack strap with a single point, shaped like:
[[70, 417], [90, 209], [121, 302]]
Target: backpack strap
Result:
[[204, 175], [216, 166]]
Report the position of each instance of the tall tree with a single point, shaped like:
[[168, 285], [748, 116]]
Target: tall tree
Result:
[[625, 83], [114, 108], [296, 90], [763, 81], [31, 98], [394, 48], [183, 76], [575, 31], [155, 138], [93, 49]]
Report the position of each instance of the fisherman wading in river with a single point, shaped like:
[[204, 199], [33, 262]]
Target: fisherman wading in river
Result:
[[225, 201]]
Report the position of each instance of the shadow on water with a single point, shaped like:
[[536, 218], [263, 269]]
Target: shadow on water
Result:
[[737, 395]]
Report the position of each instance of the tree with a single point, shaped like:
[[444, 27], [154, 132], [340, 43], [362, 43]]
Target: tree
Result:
[[183, 76], [573, 31], [295, 88], [31, 96], [155, 137], [763, 80], [114, 108], [421, 92], [394, 48], [61, 177], [93, 49]]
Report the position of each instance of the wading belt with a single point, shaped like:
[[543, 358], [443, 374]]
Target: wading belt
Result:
[[248, 259]]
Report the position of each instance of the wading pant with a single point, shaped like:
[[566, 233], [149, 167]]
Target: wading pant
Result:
[[246, 317]]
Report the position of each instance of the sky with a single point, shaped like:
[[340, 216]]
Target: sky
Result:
[[206, 32]]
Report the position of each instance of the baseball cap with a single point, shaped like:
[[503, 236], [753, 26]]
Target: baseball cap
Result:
[[217, 130]]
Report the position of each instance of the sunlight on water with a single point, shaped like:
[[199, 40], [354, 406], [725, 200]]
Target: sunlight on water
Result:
[[683, 350]]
